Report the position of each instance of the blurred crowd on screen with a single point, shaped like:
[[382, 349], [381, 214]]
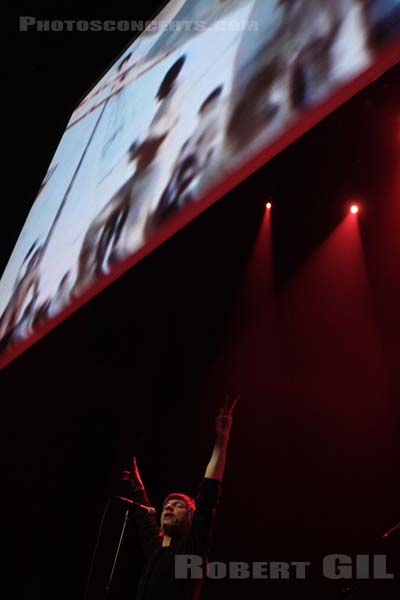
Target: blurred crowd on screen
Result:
[[292, 56]]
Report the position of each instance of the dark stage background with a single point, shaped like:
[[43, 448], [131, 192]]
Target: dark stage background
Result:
[[296, 310]]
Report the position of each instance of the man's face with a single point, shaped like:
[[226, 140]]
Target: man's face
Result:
[[175, 516]]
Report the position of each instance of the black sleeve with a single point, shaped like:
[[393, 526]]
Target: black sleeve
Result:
[[204, 516], [146, 524]]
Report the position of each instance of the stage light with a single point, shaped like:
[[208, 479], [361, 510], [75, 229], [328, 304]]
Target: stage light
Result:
[[354, 209], [268, 205]]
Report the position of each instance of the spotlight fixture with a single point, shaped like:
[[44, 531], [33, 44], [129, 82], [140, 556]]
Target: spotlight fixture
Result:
[[268, 205], [354, 209]]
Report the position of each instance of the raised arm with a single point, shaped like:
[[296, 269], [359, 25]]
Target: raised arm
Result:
[[147, 527], [223, 424]]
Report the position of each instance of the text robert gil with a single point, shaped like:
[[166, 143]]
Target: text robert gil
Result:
[[334, 566]]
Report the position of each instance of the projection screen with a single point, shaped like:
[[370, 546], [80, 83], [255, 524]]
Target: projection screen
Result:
[[209, 92]]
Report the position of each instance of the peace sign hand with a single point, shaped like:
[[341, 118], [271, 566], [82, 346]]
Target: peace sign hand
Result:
[[224, 419], [133, 475]]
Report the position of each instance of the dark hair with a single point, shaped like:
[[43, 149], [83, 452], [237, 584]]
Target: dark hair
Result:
[[169, 79], [211, 97], [190, 503], [30, 250], [124, 60]]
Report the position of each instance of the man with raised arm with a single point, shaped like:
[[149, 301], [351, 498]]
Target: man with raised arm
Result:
[[185, 524]]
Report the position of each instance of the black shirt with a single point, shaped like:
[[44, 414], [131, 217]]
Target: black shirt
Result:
[[158, 577]]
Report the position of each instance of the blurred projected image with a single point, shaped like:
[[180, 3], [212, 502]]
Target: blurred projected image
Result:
[[183, 107]]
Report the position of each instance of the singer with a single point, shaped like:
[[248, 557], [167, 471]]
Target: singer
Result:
[[185, 524]]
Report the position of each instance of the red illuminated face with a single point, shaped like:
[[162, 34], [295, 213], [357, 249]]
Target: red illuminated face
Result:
[[175, 515]]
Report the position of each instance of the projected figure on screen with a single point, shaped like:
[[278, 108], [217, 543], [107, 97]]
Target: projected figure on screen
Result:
[[118, 230], [192, 169], [186, 525], [312, 47], [53, 306], [16, 320]]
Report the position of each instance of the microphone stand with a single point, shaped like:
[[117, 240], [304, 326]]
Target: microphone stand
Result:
[[117, 552], [131, 503]]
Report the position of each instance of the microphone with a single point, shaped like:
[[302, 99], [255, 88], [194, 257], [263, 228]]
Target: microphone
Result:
[[149, 509], [393, 531]]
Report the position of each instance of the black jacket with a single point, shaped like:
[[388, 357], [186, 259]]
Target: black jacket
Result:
[[158, 577]]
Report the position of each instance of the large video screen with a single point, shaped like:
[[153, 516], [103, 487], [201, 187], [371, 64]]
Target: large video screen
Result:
[[204, 96]]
